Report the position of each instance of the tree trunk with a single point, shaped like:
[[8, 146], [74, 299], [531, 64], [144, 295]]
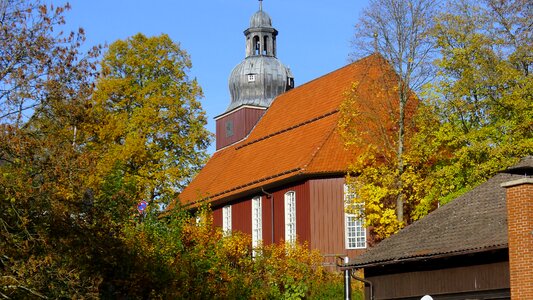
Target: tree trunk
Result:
[[401, 137]]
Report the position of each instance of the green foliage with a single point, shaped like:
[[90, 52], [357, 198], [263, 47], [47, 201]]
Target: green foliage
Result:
[[182, 258], [474, 119], [67, 207], [41, 168], [483, 96], [147, 116]]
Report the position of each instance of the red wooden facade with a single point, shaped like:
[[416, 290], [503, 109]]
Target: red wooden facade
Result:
[[319, 215], [292, 146], [236, 125]]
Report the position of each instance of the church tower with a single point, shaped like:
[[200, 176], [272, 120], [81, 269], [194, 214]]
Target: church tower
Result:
[[253, 83]]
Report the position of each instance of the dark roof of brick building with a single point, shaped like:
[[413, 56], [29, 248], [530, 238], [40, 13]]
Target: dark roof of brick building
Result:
[[473, 222]]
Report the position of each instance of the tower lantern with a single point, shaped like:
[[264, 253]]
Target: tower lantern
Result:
[[254, 82]]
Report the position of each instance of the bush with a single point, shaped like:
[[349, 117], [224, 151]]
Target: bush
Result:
[[188, 259]]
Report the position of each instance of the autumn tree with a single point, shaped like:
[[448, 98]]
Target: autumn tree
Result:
[[474, 119], [45, 85], [75, 159], [399, 32], [148, 120], [483, 94], [30, 53]]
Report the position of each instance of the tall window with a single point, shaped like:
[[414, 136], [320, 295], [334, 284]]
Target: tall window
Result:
[[257, 222], [226, 219], [256, 45], [353, 221], [290, 217], [265, 45]]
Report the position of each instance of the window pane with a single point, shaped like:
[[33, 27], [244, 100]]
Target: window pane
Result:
[[290, 216], [226, 219], [354, 222], [257, 222]]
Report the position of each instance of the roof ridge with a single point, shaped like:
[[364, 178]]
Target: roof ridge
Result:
[[472, 250], [288, 129], [351, 64]]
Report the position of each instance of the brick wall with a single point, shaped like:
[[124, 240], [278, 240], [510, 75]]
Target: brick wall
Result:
[[520, 230]]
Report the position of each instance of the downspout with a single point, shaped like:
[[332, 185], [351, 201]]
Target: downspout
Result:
[[365, 282], [348, 274], [271, 196], [347, 281]]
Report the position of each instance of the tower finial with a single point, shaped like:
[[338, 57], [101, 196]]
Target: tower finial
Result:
[[376, 44], [260, 5]]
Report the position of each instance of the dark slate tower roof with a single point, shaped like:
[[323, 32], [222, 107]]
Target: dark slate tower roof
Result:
[[260, 77], [260, 19]]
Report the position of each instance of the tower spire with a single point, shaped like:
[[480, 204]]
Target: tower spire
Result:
[[254, 82]]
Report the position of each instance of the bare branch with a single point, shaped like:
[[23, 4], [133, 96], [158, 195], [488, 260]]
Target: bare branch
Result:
[[35, 293]]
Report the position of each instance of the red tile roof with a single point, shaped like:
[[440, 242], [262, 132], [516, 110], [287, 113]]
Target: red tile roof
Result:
[[296, 137]]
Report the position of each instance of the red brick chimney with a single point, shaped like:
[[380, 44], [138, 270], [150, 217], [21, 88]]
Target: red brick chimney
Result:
[[519, 195]]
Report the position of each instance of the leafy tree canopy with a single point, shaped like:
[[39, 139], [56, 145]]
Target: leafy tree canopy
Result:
[[147, 116], [483, 95], [78, 151], [473, 119]]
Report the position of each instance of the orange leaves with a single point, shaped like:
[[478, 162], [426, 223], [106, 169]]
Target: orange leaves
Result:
[[212, 265]]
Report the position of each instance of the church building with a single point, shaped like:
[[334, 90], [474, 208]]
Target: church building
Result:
[[279, 169]]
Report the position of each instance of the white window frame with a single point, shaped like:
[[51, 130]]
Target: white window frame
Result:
[[354, 224], [290, 216], [226, 219], [257, 221]]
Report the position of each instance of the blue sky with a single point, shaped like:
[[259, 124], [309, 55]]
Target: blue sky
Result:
[[314, 36]]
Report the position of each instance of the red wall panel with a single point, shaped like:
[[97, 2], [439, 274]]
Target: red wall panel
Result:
[[241, 216], [243, 120], [319, 215], [327, 217], [217, 217], [242, 213], [302, 215]]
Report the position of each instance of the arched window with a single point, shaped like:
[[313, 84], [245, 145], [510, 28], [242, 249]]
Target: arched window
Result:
[[257, 45], [226, 219], [265, 45], [257, 222], [290, 216], [290, 83], [354, 222]]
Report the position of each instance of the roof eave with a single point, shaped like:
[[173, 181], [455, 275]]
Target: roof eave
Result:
[[424, 257], [300, 175]]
